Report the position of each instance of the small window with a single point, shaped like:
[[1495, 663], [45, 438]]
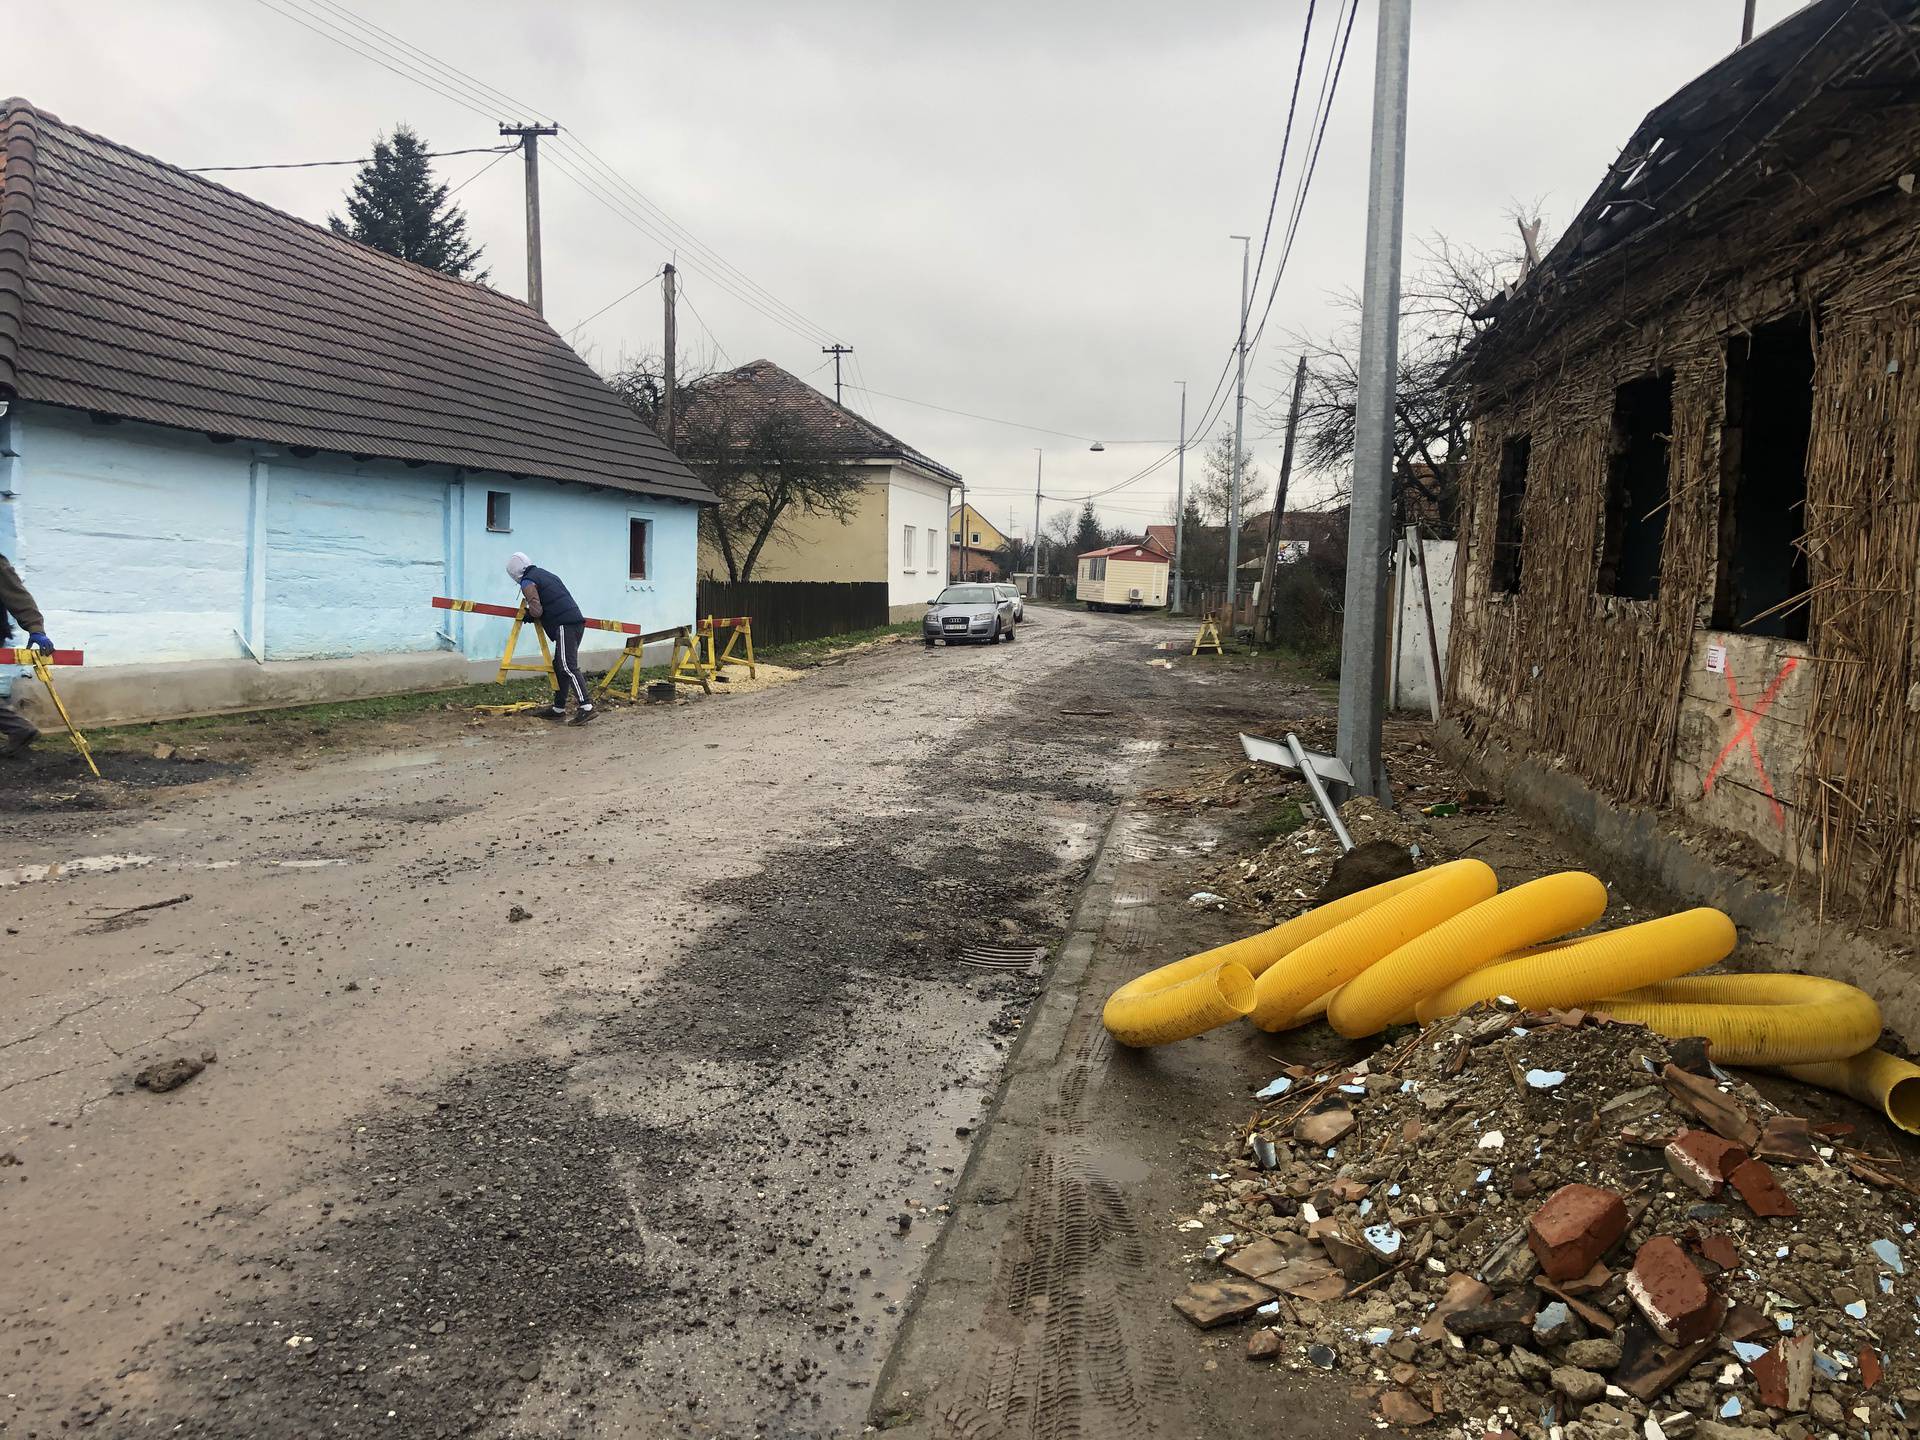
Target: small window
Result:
[[1634, 527], [639, 536], [1515, 453], [906, 547], [933, 548], [499, 511], [1762, 579], [976, 538]]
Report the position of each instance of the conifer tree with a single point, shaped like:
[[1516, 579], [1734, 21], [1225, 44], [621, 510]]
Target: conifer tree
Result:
[[396, 206]]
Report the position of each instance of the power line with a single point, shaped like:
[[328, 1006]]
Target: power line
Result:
[[611, 303], [366, 160], [687, 300], [1286, 139], [510, 150]]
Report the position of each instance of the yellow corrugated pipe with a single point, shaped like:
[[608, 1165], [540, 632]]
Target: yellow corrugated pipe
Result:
[[1757, 1019], [1576, 972], [1177, 1001], [1335, 957], [1392, 987], [1874, 1078]]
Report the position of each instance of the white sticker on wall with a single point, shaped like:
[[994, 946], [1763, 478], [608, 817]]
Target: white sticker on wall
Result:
[[1716, 659]]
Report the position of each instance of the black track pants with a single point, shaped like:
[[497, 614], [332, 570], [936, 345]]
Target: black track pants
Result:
[[567, 679]]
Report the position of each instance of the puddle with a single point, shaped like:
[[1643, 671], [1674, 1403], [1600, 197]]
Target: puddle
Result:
[[84, 865], [390, 760], [308, 864], [1143, 747]]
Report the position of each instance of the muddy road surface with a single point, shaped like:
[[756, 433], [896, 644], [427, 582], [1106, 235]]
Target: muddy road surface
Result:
[[590, 1081]]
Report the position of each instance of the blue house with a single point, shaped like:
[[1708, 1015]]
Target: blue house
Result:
[[240, 454]]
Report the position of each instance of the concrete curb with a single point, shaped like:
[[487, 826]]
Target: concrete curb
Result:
[[1635, 840], [959, 1269]]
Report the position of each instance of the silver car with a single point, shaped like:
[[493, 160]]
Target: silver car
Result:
[[1012, 592], [968, 613]]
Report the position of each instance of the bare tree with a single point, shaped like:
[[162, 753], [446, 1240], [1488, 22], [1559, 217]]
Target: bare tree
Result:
[[1445, 303], [764, 463]]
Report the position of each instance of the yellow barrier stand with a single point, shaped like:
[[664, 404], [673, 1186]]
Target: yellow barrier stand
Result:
[[1207, 639], [742, 628], [27, 655], [687, 666], [507, 662]]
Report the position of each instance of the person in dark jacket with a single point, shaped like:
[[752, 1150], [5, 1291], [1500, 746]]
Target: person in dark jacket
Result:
[[17, 607], [549, 602]]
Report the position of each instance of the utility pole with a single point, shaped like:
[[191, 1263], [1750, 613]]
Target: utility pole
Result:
[[963, 532], [1179, 502], [1263, 622], [667, 274], [1746, 24], [530, 148], [1239, 421], [1369, 533], [1033, 585], [836, 351]]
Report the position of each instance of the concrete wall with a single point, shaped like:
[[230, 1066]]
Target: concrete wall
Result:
[[203, 576], [915, 502], [1411, 682]]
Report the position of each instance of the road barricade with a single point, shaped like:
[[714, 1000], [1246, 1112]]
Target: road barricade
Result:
[[696, 659], [630, 654], [41, 664], [1207, 639]]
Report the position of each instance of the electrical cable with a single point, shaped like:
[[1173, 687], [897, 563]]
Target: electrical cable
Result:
[[1286, 139], [688, 301], [510, 150], [322, 164], [611, 303]]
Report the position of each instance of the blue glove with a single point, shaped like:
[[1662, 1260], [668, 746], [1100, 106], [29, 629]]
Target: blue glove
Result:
[[42, 643]]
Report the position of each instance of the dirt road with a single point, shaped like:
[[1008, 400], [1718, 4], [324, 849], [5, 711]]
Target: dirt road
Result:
[[663, 1158]]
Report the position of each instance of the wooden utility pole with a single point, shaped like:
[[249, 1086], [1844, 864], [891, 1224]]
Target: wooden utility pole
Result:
[[1263, 622], [667, 274], [836, 351], [530, 148], [1746, 24]]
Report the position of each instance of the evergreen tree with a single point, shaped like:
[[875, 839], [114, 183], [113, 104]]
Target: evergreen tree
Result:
[[1087, 534], [395, 206]]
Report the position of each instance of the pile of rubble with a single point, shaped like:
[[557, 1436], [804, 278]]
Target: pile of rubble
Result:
[[1285, 877], [1515, 1222]]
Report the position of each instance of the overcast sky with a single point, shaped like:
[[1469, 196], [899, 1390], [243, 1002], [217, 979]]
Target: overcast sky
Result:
[[1018, 208]]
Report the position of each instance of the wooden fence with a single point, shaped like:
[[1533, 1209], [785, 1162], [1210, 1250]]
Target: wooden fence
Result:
[[784, 611]]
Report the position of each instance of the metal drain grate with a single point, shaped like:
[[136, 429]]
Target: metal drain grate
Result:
[[1003, 957]]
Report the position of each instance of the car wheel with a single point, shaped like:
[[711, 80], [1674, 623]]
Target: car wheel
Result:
[[929, 644], [1012, 630]]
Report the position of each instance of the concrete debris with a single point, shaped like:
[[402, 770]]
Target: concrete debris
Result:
[[165, 1075], [1626, 1261], [517, 913]]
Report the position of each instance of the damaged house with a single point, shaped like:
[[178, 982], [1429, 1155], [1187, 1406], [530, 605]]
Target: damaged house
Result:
[[1691, 514]]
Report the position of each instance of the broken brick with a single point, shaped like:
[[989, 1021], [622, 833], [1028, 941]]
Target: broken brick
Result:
[[1670, 1291], [1788, 1139], [1463, 1293], [1870, 1368], [1575, 1227], [1757, 1186], [1263, 1344], [1216, 1302], [1712, 1106], [1720, 1250], [1702, 1161], [1770, 1378]]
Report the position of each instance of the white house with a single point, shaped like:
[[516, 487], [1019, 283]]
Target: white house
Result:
[[240, 454], [896, 532]]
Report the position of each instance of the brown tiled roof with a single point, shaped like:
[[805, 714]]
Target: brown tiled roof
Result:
[[131, 288], [1161, 538], [762, 385]]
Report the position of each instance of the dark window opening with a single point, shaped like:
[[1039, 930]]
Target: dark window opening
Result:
[[1762, 580], [1515, 454], [499, 511], [1635, 523], [637, 549]]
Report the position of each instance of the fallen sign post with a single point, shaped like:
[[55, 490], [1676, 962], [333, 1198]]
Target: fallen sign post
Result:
[[1313, 767], [40, 663]]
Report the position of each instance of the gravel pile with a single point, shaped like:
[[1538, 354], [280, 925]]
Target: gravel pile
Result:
[[1514, 1222]]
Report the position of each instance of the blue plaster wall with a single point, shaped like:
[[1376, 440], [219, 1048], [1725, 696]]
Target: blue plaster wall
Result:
[[143, 544]]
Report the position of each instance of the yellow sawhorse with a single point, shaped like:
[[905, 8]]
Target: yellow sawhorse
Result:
[[43, 672], [694, 662], [628, 662], [742, 628], [1207, 639]]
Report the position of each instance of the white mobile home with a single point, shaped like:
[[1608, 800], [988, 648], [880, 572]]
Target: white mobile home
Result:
[[1123, 577]]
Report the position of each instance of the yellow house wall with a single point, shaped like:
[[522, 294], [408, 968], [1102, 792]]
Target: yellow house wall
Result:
[[820, 547]]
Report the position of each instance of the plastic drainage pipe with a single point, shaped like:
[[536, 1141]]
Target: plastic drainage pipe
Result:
[[1334, 958], [1579, 972], [1757, 1019], [1178, 1001], [1391, 988], [1874, 1078], [1167, 1004]]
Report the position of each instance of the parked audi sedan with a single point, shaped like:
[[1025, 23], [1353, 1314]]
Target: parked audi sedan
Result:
[[973, 613], [1012, 592]]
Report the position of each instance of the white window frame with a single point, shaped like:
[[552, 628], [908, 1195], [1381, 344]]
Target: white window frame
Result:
[[906, 547], [645, 577], [506, 504]]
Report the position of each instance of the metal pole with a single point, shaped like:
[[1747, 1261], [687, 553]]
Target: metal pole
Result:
[[667, 368], [1746, 24], [1033, 560], [1417, 559], [963, 532], [1369, 537], [1180, 502], [1263, 622], [1312, 777], [530, 148], [1239, 421]]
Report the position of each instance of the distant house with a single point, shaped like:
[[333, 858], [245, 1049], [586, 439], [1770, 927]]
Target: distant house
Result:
[[893, 534], [1122, 577], [974, 543], [241, 454], [1161, 538]]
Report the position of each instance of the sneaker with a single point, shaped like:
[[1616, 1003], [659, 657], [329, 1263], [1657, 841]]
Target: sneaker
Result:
[[556, 713], [18, 744], [584, 714]]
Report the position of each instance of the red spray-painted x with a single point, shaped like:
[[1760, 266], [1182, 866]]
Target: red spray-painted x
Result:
[[1747, 720]]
